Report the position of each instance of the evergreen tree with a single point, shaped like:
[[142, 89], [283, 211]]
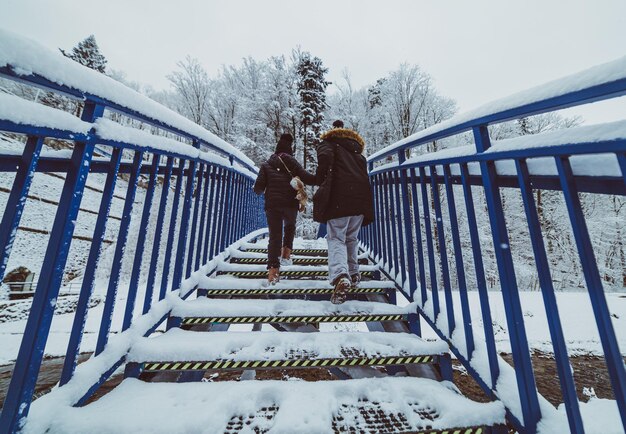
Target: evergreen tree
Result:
[[88, 54], [312, 86]]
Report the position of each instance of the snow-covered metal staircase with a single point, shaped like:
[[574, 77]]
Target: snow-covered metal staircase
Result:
[[378, 367], [440, 236]]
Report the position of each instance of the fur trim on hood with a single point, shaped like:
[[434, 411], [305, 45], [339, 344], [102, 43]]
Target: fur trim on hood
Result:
[[344, 133]]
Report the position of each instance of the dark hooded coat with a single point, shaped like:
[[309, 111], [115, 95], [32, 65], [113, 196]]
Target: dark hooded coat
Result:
[[350, 192], [273, 180]]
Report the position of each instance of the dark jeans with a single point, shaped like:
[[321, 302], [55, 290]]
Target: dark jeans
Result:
[[278, 218]]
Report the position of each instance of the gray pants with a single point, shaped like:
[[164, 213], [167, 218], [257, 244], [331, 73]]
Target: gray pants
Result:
[[343, 246]]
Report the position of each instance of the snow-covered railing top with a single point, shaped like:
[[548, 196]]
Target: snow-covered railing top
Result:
[[594, 84], [26, 60]]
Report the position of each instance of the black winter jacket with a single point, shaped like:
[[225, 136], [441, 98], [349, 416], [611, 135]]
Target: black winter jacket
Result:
[[273, 180], [350, 192]]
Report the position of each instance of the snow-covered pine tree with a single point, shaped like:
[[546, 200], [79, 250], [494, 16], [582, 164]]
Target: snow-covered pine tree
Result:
[[87, 53], [312, 86]]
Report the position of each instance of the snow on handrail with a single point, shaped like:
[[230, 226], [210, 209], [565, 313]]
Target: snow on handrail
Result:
[[28, 60], [600, 82]]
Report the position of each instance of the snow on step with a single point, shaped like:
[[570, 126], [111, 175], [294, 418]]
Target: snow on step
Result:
[[226, 282], [274, 406], [236, 253], [226, 266], [179, 345], [203, 307]]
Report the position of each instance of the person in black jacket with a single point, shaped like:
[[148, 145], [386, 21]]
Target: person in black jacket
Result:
[[344, 201], [281, 205]]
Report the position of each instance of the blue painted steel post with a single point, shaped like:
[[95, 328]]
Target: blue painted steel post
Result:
[[400, 227], [184, 226], [460, 265], [80, 316], [156, 246], [141, 242], [429, 245], [513, 308], [28, 362], [568, 388], [109, 302], [483, 294], [194, 221], [217, 219], [418, 239], [167, 259], [410, 248], [612, 354], [225, 223], [443, 252], [211, 210], [203, 221], [17, 198]]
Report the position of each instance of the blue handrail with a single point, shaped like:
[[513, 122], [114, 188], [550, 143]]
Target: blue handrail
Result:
[[419, 180], [197, 164]]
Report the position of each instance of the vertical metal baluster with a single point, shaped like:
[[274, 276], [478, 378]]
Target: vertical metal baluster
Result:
[[443, 251], [388, 222], [429, 245], [400, 227], [228, 202], [203, 220], [460, 265], [612, 354], [194, 221], [31, 350], [156, 247], [418, 239], [410, 248], [483, 293], [17, 198], [512, 304], [141, 241], [120, 245], [217, 220], [211, 211], [184, 227], [393, 224], [568, 388], [377, 220], [167, 258], [86, 289]]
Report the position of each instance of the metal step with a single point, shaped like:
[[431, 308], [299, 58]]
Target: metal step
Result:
[[188, 322], [272, 291], [297, 252], [372, 405], [292, 274], [296, 261]]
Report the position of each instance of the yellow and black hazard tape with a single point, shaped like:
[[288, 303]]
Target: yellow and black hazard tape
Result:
[[304, 252], [291, 319], [279, 364], [296, 261], [290, 273], [291, 291]]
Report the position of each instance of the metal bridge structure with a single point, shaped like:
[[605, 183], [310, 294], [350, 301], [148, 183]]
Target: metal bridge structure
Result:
[[205, 220]]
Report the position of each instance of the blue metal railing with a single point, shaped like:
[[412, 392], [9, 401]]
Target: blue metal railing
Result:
[[409, 194], [212, 189]]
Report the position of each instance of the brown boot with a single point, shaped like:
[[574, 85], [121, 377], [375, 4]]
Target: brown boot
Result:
[[285, 256], [273, 276]]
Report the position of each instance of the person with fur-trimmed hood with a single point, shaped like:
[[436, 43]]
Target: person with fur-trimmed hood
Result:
[[275, 180], [344, 201]]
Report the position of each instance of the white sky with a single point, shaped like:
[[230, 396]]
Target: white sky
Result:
[[476, 50]]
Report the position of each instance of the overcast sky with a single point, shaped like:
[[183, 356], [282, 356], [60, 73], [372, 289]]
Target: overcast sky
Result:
[[476, 50]]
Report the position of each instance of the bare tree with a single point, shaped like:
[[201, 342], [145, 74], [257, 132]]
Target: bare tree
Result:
[[191, 81]]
